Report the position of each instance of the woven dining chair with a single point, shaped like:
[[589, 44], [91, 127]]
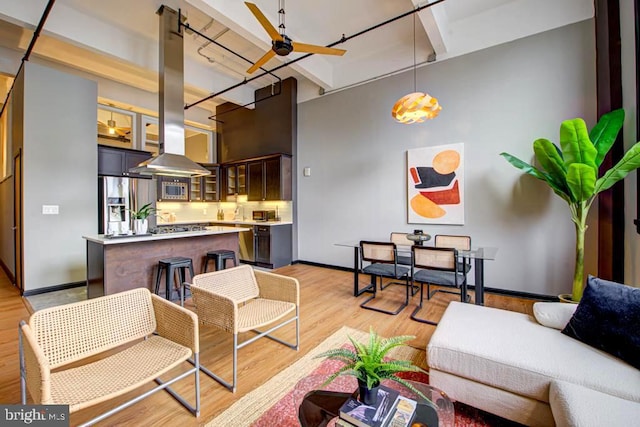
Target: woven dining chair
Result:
[[461, 243], [400, 239], [241, 299], [383, 259], [437, 266]]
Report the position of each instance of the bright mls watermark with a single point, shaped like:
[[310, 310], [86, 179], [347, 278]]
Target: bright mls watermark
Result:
[[34, 415]]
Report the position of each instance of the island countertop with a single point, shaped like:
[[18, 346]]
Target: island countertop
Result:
[[211, 230], [123, 263]]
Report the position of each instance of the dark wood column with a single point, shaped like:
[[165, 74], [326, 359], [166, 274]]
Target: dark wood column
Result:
[[636, 12], [609, 81]]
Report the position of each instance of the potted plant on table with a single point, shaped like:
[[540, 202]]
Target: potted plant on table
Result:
[[571, 171], [370, 365], [139, 217]]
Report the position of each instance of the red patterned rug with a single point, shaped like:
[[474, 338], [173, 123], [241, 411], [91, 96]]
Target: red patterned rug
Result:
[[276, 402]]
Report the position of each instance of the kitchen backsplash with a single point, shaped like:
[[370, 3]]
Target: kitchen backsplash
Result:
[[170, 212]]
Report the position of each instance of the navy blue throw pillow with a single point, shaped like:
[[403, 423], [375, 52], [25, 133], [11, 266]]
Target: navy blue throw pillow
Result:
[[608, 318]]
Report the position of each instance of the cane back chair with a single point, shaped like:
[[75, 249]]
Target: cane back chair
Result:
[[383, 259], [438, 266]]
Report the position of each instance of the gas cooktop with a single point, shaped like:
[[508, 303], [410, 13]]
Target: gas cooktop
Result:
[[176, 229]]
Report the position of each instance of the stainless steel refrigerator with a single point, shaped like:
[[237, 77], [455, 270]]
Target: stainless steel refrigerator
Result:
[[117, 196]]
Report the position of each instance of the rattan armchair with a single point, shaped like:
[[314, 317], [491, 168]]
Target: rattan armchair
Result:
[[241, 299], [145, 336]]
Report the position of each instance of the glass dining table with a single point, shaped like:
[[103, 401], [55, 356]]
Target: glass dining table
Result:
[[478, 254]]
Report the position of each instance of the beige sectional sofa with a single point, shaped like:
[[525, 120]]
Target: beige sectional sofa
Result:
[[508, 364]]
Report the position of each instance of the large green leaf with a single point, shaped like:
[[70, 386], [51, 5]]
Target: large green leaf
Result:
[[629, 162], [576, 145], [582, 180], [605, 132], [561, 191], [547, 155], [524, 166]]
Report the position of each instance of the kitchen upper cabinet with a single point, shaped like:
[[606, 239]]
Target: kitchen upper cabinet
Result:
[[117, 161], [206, 188], [235, 180], [211, 185], [269, 178]]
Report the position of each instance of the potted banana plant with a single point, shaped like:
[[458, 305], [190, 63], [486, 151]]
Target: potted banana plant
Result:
[[369, 363], [571, 171]]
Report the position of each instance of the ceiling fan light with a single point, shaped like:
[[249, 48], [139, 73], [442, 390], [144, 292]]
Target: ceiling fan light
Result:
[[415, 107], [111, 124]]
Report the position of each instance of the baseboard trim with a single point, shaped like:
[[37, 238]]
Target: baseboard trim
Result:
[[318, 264], [8, 272], [496, 291], [54, 288]]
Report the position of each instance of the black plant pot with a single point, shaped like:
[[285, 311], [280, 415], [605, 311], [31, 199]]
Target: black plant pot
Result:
[[368, 396]]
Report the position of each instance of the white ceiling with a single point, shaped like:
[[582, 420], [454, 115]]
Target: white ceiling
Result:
[[118, 39]]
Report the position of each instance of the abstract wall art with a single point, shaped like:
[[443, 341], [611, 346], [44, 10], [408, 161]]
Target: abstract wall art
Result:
[[435, 185]]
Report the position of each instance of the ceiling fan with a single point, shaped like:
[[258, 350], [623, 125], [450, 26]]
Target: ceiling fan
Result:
[[110, 128], [280, 43]]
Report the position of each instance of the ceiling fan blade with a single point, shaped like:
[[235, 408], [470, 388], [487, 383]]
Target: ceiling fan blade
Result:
[[311, 48], [260, 62], [271, 30]]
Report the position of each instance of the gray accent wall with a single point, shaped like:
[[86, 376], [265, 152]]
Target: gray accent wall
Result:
[[498, 99], [60, 168]]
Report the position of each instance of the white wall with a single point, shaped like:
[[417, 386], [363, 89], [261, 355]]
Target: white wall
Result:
[[499, 99], [60, 168]]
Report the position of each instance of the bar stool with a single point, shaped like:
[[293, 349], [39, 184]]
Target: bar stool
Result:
[[220, 258], [171, 265]]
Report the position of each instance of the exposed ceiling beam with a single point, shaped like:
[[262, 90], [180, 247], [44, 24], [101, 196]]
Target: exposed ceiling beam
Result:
[[436, 25]]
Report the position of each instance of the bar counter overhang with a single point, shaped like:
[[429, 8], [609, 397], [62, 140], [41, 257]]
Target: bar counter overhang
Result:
[[123, 263]]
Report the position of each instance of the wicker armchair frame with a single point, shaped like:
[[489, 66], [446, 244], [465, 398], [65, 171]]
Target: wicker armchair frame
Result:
[[152, 337], [241, 299]]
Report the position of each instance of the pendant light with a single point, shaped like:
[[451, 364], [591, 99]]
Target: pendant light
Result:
[[415, 107], [111, 124]]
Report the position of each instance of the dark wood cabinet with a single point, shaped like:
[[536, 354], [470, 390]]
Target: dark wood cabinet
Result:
[[114, 161], [269, 178], [273, 245], [234, 176], [206, 188]]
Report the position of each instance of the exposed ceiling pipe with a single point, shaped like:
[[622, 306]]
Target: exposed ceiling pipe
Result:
[[342, 40], [204, 36], [237, 107], [27, 54], [207, 43]]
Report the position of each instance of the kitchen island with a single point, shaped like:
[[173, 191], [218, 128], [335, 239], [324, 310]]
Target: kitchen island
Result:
[[116, 264]]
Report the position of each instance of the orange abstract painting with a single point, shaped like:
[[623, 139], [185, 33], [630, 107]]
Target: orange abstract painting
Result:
[[435, 185]]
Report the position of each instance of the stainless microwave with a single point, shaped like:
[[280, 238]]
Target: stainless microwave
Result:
[[175, 189]]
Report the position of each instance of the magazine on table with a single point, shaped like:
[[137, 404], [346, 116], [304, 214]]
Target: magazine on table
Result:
[[402, 412], [361, 415]]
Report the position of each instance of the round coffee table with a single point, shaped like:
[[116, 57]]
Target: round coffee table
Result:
[[320, 408]]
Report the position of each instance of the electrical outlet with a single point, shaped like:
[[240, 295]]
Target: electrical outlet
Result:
[[50, 209]]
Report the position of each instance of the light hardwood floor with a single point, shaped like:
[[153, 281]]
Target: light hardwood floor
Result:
[[326, 305]]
